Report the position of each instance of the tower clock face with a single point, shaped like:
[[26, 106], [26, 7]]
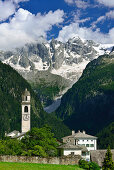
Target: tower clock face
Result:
[[26, 117]]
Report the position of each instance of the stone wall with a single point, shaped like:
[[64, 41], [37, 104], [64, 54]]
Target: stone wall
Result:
[[99, 155], [64, 160]]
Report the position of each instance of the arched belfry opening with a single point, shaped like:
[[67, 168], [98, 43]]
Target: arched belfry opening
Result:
[[26, 109]]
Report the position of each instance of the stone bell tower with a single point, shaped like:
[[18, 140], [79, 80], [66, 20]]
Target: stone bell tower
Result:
[[25, 126]]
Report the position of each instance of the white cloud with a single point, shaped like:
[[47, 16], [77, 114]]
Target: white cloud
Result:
[[78, 20], [79, 3], [108, 15], [86, 33], [109, 3], [8, 7], [25, 27], [69, 1], [18, 1]]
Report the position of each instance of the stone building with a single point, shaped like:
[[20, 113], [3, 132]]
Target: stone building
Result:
[[25, 117], [79, 143]]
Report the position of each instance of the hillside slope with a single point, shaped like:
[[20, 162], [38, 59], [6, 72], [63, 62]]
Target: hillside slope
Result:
[[12, 86], [89, 104], [106, 137]]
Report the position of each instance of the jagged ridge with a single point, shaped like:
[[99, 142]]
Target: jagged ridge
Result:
[[67, 60]]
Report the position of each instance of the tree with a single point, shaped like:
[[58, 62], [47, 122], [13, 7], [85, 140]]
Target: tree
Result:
[[40, 142], [108, 163], [93, 166], [88, 165], [83, 164], [37, 142]]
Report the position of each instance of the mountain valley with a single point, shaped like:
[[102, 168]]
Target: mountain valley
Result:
[[53, 67]]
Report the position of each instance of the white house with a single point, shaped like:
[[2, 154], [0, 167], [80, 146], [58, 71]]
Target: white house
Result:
[[79, 143], [25, 121]]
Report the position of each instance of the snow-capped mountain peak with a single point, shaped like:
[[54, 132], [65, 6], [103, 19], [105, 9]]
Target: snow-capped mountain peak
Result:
[[66, 59]]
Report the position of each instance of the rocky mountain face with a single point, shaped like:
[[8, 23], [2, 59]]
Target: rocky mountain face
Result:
[[67, 60]]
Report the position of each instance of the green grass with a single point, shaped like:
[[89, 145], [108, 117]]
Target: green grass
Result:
[[33, 166]]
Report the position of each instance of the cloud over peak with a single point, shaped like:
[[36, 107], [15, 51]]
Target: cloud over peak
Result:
[[26, 27], [85, 33]]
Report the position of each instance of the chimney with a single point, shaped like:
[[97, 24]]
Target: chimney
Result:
[[73, 132], [84, 132]]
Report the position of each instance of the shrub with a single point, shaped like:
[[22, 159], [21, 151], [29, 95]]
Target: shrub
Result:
[[88, 165]]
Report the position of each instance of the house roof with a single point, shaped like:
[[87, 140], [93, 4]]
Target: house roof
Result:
[[15, 132], [82, 135], [19, 135], [76, 147]]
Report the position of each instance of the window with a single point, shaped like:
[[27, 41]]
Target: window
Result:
[[83, 153], [91, 145], [75, 142], [87, 145], [83, 144], [72, 153], [91, 140], [87, 153], [26, 98], [26, 109]]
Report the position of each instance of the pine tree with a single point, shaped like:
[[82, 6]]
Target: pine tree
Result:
[[108, 163]]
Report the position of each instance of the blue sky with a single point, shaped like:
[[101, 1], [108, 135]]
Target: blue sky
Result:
[[24, 21]]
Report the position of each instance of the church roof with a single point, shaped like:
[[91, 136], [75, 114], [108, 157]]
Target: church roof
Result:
[[82, 135], [26, 93]]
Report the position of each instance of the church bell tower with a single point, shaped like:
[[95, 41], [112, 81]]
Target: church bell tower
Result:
[[25, 111]]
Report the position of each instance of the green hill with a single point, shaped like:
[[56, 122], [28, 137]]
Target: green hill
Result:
[[89, 104], [12, 86], [106, 137]]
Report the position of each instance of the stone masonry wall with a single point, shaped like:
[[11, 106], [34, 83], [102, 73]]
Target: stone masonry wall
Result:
[[65, 160], [99, 155]]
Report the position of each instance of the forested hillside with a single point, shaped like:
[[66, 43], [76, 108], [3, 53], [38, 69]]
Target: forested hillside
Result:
[[106, 137], [12, 86], [89, 104]]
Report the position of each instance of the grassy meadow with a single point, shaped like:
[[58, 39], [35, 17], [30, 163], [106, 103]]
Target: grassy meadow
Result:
[[33, 166]]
